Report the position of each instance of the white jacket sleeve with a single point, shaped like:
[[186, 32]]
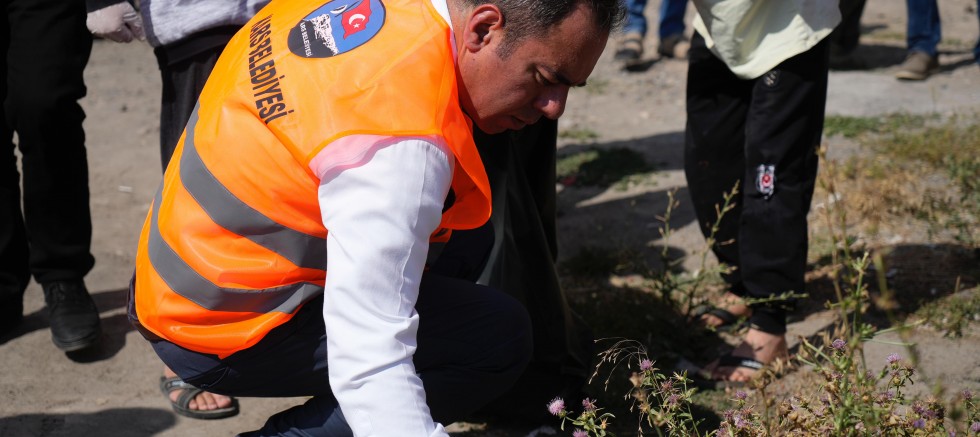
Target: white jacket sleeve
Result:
[[379, 211]]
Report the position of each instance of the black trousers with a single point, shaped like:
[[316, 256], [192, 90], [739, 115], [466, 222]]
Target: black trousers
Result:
[[45, 49], [847, 35], [763, 134], [184, 69]]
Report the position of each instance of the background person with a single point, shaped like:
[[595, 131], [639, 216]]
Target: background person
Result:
[[924, 31], [670, 31], [45, 49], [756, 91]]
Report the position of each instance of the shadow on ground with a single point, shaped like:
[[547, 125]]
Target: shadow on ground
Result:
[[116, 422]]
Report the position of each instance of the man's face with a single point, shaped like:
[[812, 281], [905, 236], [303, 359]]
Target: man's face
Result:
[[533, 80]]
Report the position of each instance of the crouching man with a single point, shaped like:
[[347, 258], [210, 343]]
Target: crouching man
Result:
[[328, 161]]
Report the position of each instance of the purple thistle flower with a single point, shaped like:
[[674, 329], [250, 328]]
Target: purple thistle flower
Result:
[[975, 427], [919, 424], [673, 399], [580, 433], [588, 404], [646, 365], [556, 406], [967, 394], [667, 385], [893, 358], [741, 395], [739, 422], [838, 344], [885, 396]]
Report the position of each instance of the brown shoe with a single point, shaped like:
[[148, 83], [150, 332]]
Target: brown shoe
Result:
[[674, 46], [630, 48], [917, 66]]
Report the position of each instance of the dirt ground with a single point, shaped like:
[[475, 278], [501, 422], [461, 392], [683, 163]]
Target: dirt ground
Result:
[[113, 391]]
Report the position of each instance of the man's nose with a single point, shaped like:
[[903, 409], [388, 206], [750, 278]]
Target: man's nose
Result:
[[551, 102]]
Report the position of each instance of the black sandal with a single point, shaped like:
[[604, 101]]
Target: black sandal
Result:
[[729, 321], [182, 405], [706, 382]]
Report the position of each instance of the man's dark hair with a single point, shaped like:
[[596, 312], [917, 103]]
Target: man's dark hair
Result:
[[527, 18]]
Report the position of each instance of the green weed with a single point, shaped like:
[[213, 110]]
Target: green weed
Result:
[[581, 135], [617, 167]]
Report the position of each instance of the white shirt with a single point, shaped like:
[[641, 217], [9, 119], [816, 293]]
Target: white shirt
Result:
[[380, 200], [754, 36]]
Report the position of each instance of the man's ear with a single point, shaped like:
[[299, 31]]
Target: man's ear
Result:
[[484, 25]]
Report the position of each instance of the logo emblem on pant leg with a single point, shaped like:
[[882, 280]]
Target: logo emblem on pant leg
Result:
[[771, 78], [765, 180]]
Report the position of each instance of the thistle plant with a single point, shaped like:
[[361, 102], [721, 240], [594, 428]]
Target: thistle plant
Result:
[[741, 421], [590, 422], [662, 402], [852, 397], [853, 401], [681, 291]]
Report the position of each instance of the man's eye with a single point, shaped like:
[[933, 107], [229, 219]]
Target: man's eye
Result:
[[544, 79]]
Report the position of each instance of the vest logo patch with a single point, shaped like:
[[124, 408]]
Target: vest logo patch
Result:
[[336, 27]]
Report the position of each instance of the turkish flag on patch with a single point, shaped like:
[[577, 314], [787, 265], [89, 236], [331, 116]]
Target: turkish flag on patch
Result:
[[355, 19]]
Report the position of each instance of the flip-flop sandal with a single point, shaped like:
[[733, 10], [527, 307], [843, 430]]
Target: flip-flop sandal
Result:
[[706, 382], [729, 321], [182, 404]]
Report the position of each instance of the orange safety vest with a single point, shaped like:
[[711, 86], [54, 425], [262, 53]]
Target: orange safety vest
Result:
[[234, 244]]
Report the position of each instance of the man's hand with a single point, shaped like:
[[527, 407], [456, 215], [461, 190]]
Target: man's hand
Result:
[[118, 22]]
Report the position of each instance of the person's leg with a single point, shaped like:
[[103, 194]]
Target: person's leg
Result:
[[630, 47], [49, 48], [847, 35], [636, 21], [473, 343], [923, 36], [671, 18], [182, 84], [976, 48], [924, 30], [783, 131], [714, 159], [14, 270], [673, 43]]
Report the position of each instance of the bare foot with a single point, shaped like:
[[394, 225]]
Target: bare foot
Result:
[[204, 401], [729, 302], [760, 346]]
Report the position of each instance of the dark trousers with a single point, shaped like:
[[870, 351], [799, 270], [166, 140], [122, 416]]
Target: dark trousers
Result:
[[45, 48], [182, 82], [736, 130], [847, 35], [473, 343]]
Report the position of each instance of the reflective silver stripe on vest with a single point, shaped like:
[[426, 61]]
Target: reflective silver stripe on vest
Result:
[[183, 280], [231, 213]]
